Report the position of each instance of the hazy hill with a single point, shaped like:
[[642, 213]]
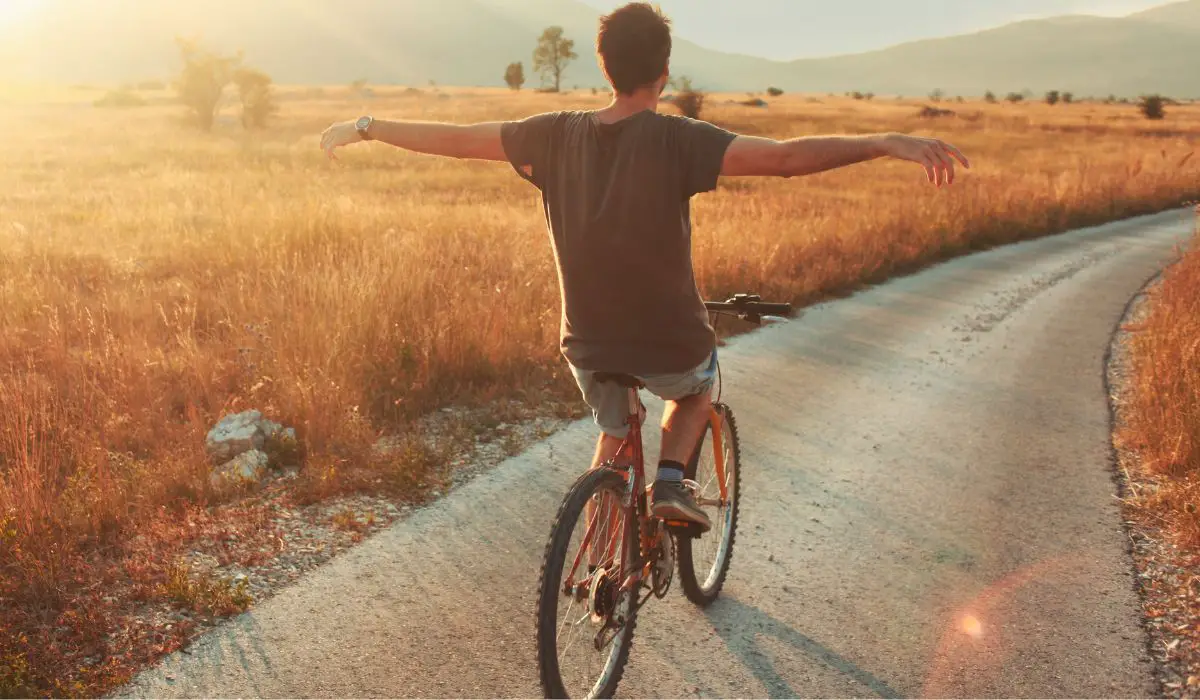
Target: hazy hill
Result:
[[468, 42]]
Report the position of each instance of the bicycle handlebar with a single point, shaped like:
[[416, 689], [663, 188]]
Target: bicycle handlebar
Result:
[[749, 307]]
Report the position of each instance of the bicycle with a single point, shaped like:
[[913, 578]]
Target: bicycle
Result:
[[627, 549]]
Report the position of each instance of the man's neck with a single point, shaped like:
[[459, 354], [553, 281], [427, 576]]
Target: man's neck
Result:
[[624, 106]]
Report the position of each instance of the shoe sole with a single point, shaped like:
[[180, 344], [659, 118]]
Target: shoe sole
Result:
[[670, 511]]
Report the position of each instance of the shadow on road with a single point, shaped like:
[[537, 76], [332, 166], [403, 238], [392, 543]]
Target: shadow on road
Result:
[[751, 624]]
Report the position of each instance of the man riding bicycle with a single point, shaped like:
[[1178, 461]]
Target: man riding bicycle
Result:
[[616, 186]]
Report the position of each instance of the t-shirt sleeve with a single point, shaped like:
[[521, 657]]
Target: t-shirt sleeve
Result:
[[528, 144], [702, 149]]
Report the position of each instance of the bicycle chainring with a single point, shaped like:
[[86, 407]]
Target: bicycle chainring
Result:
[[664, 564]]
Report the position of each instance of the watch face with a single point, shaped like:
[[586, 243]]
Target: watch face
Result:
[[363, 123]]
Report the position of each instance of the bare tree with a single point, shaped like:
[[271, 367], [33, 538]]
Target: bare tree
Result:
[[554, 51]]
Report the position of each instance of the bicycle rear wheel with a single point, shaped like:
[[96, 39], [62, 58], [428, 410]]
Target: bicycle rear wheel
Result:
[[584, 622], [704, 561]]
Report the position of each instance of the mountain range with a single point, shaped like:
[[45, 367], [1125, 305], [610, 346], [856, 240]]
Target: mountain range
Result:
[[469, 42]]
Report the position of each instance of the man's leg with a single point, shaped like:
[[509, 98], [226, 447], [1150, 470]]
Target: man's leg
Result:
[[688, 408], [682, 424]]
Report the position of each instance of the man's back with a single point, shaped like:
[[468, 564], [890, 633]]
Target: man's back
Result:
[[616, 197]]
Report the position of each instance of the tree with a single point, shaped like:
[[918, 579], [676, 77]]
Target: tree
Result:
[[1015, 97], [688, 99], [1151, 106], [1068, 97], [774, 91], [936, 95], [1052, 97], [258, 100], [554, 51], [201, 83], [989, 97], [514, 75]]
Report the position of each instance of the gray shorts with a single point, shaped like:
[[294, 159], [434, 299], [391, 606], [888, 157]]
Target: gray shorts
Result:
[[610, 402]]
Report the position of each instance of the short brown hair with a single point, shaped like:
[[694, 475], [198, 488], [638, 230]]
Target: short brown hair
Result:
[[634, 44]]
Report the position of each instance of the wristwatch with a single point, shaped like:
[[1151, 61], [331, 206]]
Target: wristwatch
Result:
[[363, 124]]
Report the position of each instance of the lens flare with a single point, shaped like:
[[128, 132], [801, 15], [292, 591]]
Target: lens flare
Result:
[[972, 626]]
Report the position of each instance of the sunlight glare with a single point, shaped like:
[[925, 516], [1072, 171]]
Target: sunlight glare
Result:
[[972, 626], [13, 10]]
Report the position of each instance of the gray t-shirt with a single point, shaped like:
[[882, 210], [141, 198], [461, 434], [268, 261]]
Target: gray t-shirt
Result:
[[617, 200]]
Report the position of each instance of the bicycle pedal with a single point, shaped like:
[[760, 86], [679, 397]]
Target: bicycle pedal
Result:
[[682, 528]]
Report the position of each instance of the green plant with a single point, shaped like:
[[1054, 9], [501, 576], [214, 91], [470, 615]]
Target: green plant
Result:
[[774, 91], [205, 593]]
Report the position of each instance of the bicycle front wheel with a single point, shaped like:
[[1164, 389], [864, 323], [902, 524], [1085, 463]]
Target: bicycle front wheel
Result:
[[585, 622], [704, 561]]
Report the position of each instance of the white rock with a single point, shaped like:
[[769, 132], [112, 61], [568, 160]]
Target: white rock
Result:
[[270, 428], [246, 467], [235, 434]]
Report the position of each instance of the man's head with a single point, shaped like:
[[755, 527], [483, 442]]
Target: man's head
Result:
[[634, 44]]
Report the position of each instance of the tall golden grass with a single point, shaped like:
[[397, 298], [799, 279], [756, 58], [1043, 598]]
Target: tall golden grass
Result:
[[152, 278], [1162, 423]]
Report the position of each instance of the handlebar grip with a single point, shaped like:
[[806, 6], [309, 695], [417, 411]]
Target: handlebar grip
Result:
[[772, 309]]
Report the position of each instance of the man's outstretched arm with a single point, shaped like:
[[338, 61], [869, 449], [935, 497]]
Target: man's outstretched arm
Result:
[[479, 141], [752, 155]]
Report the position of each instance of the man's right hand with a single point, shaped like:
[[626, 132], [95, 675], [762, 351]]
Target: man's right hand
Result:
[[937, 157], [338, 135]]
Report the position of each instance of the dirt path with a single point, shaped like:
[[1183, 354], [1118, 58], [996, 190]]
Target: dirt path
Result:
[[932, 450]]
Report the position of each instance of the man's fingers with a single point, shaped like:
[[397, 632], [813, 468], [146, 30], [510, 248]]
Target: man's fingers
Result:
[[957, 154], [929, 171]]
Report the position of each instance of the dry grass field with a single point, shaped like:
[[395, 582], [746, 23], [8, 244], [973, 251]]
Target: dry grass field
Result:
[[1164, 414], [153, 279]]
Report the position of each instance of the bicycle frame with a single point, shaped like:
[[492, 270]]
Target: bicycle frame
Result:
[[636, 497]]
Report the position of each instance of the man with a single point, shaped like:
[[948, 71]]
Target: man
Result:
[[616, 185]]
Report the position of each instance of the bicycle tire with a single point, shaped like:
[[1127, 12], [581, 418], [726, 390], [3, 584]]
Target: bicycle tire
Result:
[[550, 582], [703, 593]]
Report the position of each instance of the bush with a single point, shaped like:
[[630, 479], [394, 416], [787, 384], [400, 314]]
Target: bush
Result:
[[1015, 97], [936, 96], [1052, 97], [989, 97], [1152, 106], [688, 99], [1068, 98], [774, 91], [120, 98], [258, 99]]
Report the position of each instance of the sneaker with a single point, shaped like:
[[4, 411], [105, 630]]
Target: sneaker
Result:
[[671, 501]]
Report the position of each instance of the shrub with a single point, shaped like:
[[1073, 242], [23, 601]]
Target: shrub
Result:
[[514, 75], [1068, 98], [1015, 97], [1152, 106], [989, 97], [936, 96], [1052, 97], [688, 99], [774, 91], [120, 98], [258, 99]]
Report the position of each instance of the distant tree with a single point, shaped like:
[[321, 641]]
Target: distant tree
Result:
[[1015, 97], [1052, 97], [989, 97], [258, 99], [869, 96], [1111, 99], [857, 95], [514, 75], [936, 95], [552, 55], [774, 91], [688, 99], [201, 83], [1152, 106], [1068, 97]]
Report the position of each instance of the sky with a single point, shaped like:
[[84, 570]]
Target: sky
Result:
[[788, 29]]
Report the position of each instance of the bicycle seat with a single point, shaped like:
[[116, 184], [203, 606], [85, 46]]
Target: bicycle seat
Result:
[[625, 380]]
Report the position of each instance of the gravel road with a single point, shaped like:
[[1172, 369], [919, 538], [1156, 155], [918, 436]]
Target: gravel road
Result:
[[928, 510]]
